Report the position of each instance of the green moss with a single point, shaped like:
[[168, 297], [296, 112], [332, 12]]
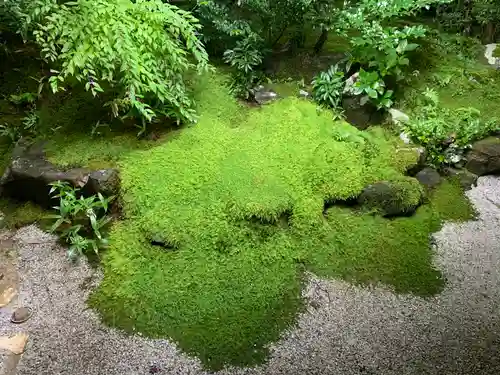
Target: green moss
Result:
[[5, 151], [367, 248], [496, 52], [94, 152], [17, 215], [285, 89], [240, 199], [450, 204]]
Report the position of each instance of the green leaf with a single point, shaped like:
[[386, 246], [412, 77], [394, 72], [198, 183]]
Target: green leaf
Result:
[[57, 224], [411, 47], [404, 61], [372, 93], [402, 46]]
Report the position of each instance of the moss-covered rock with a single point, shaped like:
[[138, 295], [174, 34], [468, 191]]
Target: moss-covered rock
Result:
[[29, 175], [392, 198], [16, 214]]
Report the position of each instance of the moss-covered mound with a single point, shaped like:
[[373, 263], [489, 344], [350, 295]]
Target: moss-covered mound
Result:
[[238, 202], [393, 198]]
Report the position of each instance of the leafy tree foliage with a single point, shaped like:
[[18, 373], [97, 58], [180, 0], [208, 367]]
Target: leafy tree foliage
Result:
[[140, 50], [144, 48], [328, 86], [245, 30], [376, 45], [479, 17]]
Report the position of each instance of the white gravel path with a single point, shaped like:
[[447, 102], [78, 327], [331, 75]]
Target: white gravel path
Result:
[[350, 330]]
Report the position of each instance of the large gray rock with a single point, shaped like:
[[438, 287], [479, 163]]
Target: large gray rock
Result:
[[392, 198], [29, 174], [428, 177], [484, 157], [104, 181]]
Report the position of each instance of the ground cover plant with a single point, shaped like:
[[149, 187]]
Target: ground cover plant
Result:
[[214, 246]]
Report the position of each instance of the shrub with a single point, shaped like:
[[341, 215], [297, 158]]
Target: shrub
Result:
[[445, 133], [27, 127], [140, 49], [244, 58], [373, 88], [24, 99], [328, 87], [376, 45]]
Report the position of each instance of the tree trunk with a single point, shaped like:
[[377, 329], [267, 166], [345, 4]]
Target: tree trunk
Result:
[[321, 41], [490, 32]]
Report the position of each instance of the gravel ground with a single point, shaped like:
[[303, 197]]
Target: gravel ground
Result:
[[346, 329]]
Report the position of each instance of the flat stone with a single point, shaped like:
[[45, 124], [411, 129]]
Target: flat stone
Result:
[[21, 315], [29, 175], [7, 295], [398, 117], [304, 94], [405, 138], [14, 344], [488, 53], [262, 95]]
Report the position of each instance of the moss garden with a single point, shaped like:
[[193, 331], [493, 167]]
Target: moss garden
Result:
[[247, 160], [241, 200]]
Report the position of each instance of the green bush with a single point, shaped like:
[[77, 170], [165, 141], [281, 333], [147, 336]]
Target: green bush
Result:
[[140, 49], [12, 132], [244, 58], [328, 87], [378, 45], [445, 133], [372, 87]]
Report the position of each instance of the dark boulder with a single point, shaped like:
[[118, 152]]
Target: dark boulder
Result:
[[29, 174], [428, 177], [392, 198], [361, 115], [484, 157], [104, 181]]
